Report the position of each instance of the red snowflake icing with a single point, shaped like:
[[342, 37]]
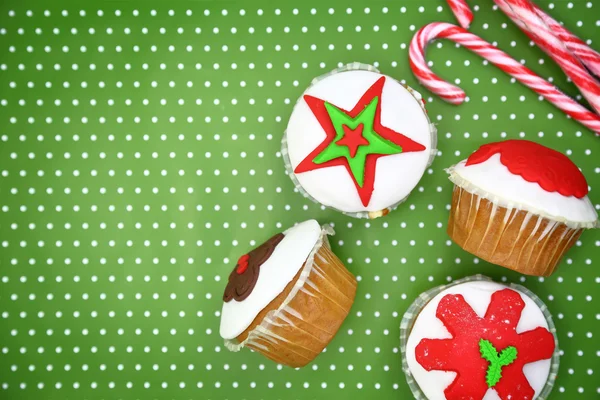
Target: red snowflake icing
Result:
[[461, 353]]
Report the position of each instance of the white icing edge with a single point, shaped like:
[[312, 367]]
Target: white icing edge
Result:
[[275, 273], [494, 182], [262, 331], [366, 213], [478, 295]]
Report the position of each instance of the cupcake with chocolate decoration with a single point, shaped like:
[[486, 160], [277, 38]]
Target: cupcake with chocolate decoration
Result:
[[358, 141], [287, 298], [520, 205], [476, 339]]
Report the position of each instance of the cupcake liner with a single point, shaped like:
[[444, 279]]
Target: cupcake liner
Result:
[[362, 214], [516, 239], [420, 302], [308, 318]]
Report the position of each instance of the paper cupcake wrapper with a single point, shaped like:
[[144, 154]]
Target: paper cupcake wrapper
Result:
[[512, 238], [309, 317], [474, 189], [361, 214], [415, 308]]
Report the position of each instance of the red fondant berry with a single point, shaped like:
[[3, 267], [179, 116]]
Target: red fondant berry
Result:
[[242, 264]]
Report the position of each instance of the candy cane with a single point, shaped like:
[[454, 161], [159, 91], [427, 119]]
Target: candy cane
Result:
[[526, 17], [455, 95], [589, 57], [462, 12]]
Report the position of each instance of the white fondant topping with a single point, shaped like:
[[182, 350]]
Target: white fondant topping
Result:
[[478, 295], [396, 175], [275, 274], [263, 331], [493, 181]]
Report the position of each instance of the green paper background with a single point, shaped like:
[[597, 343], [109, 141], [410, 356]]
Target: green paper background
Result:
[[125, 205]]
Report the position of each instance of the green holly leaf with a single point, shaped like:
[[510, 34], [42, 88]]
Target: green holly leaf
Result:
[[493, 375], [489, 353], [507, 356]]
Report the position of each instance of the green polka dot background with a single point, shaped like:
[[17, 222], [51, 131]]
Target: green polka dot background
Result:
[[140, 158]]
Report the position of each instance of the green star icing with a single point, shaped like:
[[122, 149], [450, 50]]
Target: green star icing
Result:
[[377, 144]]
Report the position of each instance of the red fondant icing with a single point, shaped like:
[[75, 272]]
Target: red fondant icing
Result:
[[461, 353], [352, 139], [242, 264], [317, 106], [552, 170]]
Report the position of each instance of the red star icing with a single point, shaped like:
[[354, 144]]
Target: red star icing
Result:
[[353, 138], [317, 106], [461, 354], [535, 163]]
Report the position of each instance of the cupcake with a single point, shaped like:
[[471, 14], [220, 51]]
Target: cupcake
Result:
[[476, 339], [520, 205], [358, 141], [288, 297]]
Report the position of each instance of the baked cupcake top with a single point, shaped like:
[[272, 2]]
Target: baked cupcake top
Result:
[[480, 340], [526, 175], [262, 274], [359, 141]]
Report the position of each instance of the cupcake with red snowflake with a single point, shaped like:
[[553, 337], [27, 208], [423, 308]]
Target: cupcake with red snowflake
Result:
[[520, 205], [476, 339]]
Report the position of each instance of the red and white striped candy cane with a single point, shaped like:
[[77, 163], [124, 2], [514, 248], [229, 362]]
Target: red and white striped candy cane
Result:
[[462, 12], [524, 13], [589, 57], [586, 55], [455, 95]]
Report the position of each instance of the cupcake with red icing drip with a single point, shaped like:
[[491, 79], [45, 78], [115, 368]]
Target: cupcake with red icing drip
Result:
[[520, 205]]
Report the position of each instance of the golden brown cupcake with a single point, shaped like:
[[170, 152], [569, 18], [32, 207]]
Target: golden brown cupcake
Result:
[[520, 205], [288, 297]]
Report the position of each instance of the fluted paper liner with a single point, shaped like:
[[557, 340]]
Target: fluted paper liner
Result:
[[363, 214], [517, 239], [299, 323], [409, 318]]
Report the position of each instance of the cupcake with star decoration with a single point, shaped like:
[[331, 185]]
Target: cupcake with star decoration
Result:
[[358, 141], [476, 339], [287, 298], [520, 205]]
